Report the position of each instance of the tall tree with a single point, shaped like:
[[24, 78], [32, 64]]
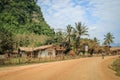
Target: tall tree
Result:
[[59, 37], [108, 39], [96, 40], [81, 30], [69, 30], [6, 40], [73, 39]]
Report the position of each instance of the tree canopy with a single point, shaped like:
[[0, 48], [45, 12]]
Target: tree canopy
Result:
[[6, 40], [108, 39], [21, 21], [23, 16]]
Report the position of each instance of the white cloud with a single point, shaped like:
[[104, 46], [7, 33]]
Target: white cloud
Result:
[[62, 12], [100, 16], [92, 28], [108, 14], [107, 11]]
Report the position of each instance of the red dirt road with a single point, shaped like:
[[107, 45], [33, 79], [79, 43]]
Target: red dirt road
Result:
[[93, 68]]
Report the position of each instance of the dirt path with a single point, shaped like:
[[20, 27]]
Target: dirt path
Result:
[[93, 68]]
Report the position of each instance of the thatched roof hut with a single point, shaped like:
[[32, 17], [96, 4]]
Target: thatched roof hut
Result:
[[42, 50]]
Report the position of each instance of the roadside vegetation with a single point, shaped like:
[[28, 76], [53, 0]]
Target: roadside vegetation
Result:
[[116, 66], [27, 60]]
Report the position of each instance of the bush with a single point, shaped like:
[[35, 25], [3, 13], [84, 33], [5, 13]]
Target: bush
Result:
[[6, 40], [116, 66]]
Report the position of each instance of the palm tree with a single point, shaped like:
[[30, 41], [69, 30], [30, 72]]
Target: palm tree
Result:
[[108, 39], [95, 44], [73, 38], [69, 29], [96, 40], [81, 30], [59, 36]]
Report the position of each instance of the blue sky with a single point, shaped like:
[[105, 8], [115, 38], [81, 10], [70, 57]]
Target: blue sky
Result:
[[100, 16]]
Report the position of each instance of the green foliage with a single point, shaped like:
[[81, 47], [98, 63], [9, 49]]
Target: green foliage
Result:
[[116, 66], [79, 31], [91, 43], [69, 30], [96, 40], [30, 40], [108, 39], [6, 40], [22, 24], [73, 37], [23, 16]]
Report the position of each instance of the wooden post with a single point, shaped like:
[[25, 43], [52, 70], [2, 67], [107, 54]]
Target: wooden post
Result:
[[19, 55]]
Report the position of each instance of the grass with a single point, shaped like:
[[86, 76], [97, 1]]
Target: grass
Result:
[[116, 66], [26, 61], [15, 62]]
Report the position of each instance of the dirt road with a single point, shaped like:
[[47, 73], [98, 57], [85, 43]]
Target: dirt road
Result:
[[92, 68]]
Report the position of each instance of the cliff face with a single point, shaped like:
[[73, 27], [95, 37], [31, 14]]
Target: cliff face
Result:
[[23, 16]]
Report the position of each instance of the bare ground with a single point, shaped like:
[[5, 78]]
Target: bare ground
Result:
[[92, 68]]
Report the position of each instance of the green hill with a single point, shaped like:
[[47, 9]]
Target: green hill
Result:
[[23, 16], [22, 24]]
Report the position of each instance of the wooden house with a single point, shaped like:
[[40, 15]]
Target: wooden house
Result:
[[45, 51], [25, 51], [59, 50], [42, 51]]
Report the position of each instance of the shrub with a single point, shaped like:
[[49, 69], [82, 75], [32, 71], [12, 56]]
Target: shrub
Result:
[[116, 66]]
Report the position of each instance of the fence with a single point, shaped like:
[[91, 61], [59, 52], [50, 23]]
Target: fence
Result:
[[28, 60]]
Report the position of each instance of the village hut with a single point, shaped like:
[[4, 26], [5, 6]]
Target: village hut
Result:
[[25, 52], [44, 51], [14, 54], [48, 51], [59, 50], [115, 50]]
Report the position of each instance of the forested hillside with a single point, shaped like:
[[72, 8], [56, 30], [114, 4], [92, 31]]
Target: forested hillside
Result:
[[22, 25], [23, 16]]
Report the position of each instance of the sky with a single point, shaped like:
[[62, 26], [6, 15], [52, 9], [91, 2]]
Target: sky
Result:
[[100, 16]]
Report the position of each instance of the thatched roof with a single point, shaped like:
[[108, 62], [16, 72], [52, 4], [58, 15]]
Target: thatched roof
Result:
[[43, 47], [26, 49]]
